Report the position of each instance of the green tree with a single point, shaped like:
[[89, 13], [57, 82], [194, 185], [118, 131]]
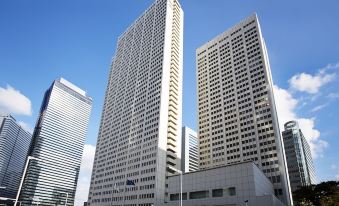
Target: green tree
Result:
[[323, 194], [305, 202]]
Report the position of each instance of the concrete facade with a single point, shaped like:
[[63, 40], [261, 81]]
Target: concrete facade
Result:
[[237, 114], [140, 132], [230, 185]]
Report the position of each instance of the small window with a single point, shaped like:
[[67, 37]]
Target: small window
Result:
[[184, 196], [199, 194], [231, 191], [217, 193], [174, 197]]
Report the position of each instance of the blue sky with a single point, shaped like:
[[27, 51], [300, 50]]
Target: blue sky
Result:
[[43, 40]]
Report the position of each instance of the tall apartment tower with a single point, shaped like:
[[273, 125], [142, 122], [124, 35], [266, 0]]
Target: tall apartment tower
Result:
[[14, 144], [237, 114], [57, 145], [139, 138], [189, 152], [298, 156]]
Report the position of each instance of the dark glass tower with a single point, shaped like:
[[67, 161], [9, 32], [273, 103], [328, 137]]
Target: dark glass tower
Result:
[[14, 144], [298, 156], [58, 142]]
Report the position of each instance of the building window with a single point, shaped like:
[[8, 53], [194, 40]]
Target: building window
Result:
[[217, 193], [177, 197], [184, 196], [174, 197], [199, 194], [231, 191]]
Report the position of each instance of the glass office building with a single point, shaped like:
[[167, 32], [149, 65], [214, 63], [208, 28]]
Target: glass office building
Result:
[[58, 142], [14, 144], [298, 155]]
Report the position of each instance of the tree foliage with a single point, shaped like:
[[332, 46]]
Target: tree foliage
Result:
[[323, 194]]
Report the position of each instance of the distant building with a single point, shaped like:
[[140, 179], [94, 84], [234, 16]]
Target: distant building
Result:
[[58, 143], [190, 153], [237, 114], [298, 156], [14, 144], [231, 185]]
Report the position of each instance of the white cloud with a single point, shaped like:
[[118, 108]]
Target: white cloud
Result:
[[337, 177], [329, 67], [85, 175], [333, 95], [319, 107], [13, 102], [286, 105], [333, 166], [311, 84], [25, 126], [312, 136]]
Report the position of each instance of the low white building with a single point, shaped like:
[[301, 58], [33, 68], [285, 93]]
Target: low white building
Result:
[[232, 185]]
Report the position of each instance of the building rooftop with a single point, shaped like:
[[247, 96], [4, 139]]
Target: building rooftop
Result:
[[71, 86]]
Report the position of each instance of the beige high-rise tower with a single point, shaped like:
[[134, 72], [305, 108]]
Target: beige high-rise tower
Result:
[[237, 114], [139, 141]]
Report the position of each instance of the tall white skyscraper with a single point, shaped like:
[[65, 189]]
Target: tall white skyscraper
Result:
[[57, 146], [189, 153], [298, 155], [139, 139], [237, 114]]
